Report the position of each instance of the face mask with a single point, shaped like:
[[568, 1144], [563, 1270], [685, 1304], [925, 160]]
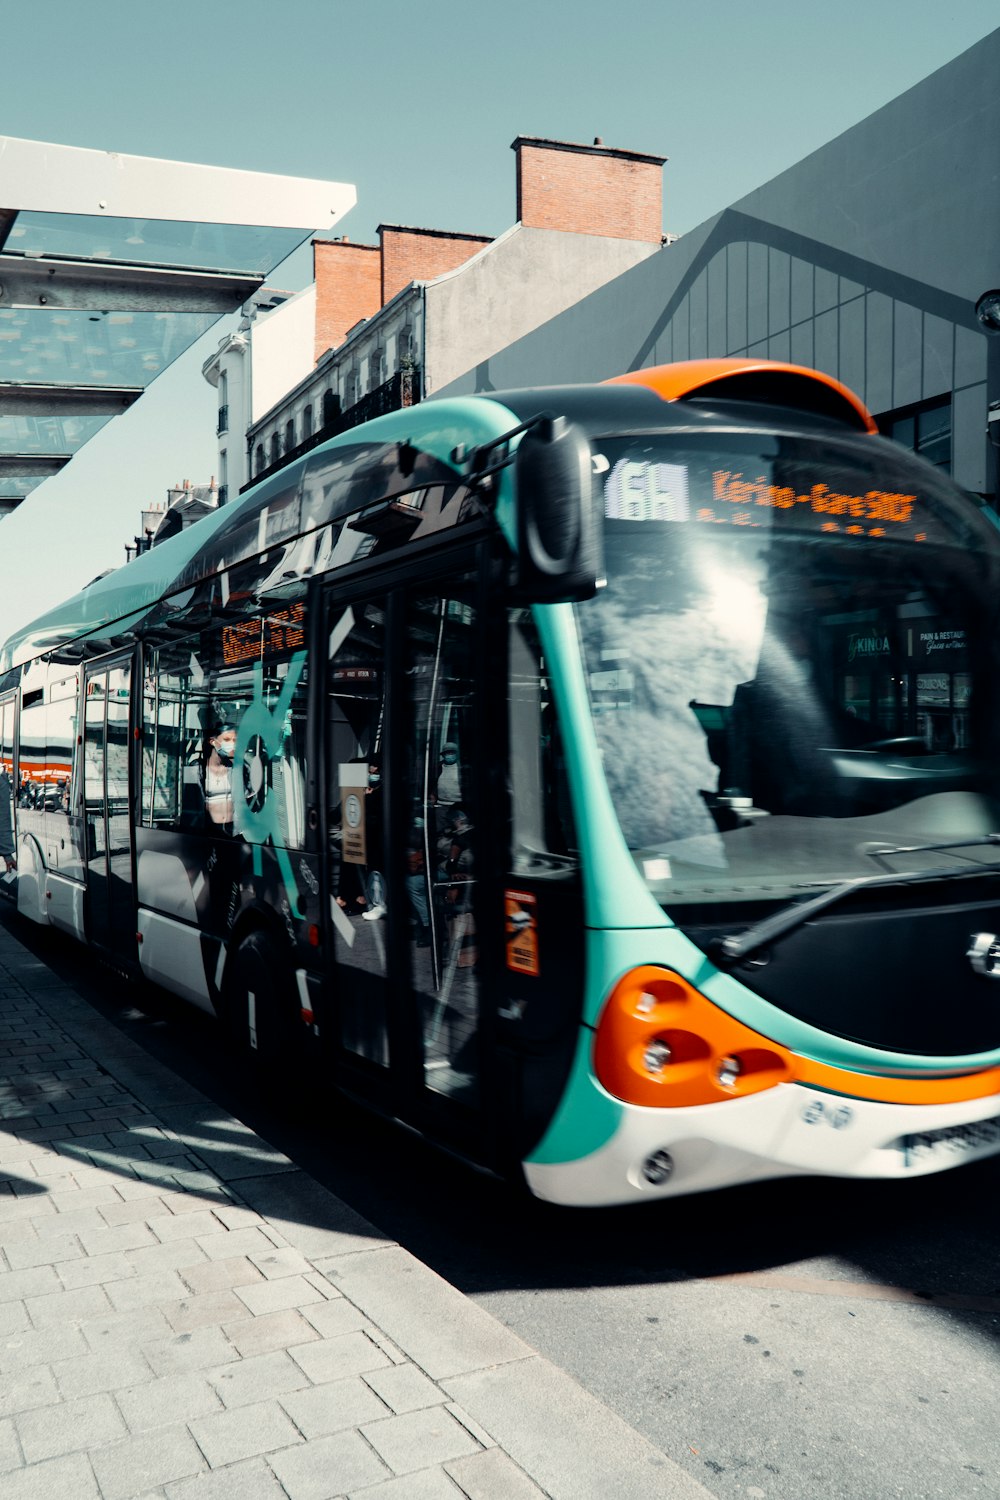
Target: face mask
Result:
[[374, 779], [449, 760], [225, 751]]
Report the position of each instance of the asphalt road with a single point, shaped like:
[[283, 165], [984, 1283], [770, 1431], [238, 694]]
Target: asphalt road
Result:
[[806, 1340]]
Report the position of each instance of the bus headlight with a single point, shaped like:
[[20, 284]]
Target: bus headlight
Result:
[[661, 1042]]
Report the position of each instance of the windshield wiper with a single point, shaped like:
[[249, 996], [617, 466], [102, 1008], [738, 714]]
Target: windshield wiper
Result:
[[877, 852], [737, 945]]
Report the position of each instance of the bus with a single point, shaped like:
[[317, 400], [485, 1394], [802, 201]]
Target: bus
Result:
[[602, 781]]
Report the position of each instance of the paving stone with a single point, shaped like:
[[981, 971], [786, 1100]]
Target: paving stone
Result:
[[257, 1378], [135, 1328], [10, 1448], [73, 1221], [327, 1467], [145, 1291], [98, 1195], [246, 1432], [171, 1399], [250, 1480], [43, 1252], [13, 1317], [140, 1463], [492, 1476], [110, 1370], [177, 1255], [230, 1242], [202, 1349], [24, 1392], [428, 1319], [335, 1359], [18, 1232], [184, 1226], [278, 1330], [309, 1216], [234, 1216], [429, 1484], [20, 1351], [80, 1425], [323, 1409], [220, 1275], [63, 1307], [135, 1210], [117, 1237], [95, 1270], [276, 1263], [274, 1296], [208, 1310], [335, 1317], [58, 1477], [419, 1439], [15, 1286], [405, 1388]]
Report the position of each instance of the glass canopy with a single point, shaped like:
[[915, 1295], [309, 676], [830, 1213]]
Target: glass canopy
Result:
[[110, 267]]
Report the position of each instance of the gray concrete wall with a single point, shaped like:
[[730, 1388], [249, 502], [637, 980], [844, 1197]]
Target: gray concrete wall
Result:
[[864, 260], [520, 281]]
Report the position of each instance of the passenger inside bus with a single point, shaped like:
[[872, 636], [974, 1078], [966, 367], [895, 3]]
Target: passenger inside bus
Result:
[[218, 777]]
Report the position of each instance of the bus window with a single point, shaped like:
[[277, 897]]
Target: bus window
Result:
[[196, 695], [441, 675], [542, 830], [355, 719]]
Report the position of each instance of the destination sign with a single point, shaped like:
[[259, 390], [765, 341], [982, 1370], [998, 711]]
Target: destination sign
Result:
[[641, 490], [279, 631]]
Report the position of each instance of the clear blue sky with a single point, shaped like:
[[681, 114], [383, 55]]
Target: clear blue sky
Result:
[[417, 104]]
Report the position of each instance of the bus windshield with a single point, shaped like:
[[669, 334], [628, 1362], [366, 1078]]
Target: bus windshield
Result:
[[792, 668]]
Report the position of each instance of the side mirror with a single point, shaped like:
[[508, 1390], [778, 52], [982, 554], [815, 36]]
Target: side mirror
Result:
[[560, 538]]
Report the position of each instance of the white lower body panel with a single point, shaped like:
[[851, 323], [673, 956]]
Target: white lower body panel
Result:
[[787, 1131]]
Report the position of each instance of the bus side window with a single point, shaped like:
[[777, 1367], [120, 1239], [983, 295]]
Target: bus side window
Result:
[[541, 813]]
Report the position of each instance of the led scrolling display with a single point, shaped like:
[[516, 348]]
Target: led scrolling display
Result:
[[640, 490], [259, 640]]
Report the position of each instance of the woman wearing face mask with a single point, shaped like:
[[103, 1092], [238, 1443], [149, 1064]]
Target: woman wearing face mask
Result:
[[448, 784], [219, 777]]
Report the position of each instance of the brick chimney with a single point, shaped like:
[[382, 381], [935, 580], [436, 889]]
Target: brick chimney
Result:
[[589, 189], [421, 254], [348, 288]]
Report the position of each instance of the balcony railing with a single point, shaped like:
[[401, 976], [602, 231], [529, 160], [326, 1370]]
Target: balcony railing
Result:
[[223, 423], [400, 390]]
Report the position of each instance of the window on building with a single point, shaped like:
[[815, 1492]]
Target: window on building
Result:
[[331, 408], [258, 459], [307, 422], [924, 429], [223, 423], [275, 447], [289, 435]]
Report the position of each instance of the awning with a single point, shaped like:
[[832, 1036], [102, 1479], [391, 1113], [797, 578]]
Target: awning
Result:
[[110, 267]]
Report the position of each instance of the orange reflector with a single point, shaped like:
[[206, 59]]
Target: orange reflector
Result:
[[314, 935], [307, 1016], [660, 1042]]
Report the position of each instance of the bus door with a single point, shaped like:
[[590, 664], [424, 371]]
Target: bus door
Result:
[[107, 807], [403, 800]]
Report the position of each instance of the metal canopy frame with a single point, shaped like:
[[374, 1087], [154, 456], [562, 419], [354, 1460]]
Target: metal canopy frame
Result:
[[110, 267]]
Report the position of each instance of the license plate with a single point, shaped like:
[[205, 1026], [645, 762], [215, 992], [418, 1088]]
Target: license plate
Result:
[[953, 1141]]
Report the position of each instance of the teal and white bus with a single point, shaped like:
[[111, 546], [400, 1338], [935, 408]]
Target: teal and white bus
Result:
[[603, 781]]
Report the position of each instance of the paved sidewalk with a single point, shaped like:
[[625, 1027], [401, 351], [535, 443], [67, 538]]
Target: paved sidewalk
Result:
[[186, 1315]]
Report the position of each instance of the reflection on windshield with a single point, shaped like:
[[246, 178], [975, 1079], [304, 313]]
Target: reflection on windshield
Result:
[[773, 699]]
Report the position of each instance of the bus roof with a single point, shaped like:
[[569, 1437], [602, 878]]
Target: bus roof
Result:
[[768, 381]]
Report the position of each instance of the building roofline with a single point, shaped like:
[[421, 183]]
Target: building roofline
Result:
[[439, 234], [597, 149]]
